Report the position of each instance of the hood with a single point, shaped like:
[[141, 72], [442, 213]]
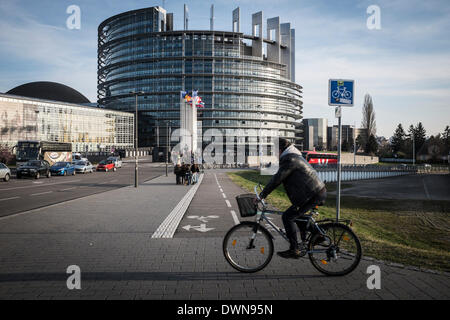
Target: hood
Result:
[[57, 167], [27, 167], [290, 150]]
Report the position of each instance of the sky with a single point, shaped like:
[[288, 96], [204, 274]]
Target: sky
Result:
[[404, 65]]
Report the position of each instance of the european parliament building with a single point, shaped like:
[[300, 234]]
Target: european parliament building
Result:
[[247, 82]]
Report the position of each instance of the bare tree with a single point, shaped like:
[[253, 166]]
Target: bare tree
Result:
[[368, 122]]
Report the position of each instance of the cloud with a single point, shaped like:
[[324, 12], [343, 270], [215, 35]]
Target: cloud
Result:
[[57, 54]]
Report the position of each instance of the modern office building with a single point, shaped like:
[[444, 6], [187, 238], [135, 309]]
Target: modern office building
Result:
[[87, 128], [333, 134], [246, 81], [315, 134]]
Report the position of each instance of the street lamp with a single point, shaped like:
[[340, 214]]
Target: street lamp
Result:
[[136, 94], [260, 135], [168, 129]]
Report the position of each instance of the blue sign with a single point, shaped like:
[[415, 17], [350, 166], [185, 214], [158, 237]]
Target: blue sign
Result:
[[341, 92]]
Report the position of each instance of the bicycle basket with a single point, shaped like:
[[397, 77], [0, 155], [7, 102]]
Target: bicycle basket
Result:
[[246, 204]]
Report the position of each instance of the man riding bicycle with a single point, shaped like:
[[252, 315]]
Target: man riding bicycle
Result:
[[304, 189]]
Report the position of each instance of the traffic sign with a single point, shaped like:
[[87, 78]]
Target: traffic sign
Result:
[[341, 92]]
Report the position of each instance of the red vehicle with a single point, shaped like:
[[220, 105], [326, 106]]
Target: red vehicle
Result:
[[319, 158], [106, 165]]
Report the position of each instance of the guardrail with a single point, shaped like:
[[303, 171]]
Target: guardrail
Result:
[[362, 172]]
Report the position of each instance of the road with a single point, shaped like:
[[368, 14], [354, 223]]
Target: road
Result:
[[28, 193], [418, 187]]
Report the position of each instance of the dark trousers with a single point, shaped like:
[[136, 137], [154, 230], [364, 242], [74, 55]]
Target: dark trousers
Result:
[[294, 212], [178, 179]]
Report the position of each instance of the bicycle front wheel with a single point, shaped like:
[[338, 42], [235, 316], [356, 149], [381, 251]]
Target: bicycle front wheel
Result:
[[248, 247], [336, 253]]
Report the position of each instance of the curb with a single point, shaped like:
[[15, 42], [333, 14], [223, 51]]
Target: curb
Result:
[[170, 224], [406, 267]]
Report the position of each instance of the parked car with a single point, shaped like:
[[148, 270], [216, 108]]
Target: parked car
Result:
[[83, 167], [106, 165], [62, 169], [34, 168], [117, 161], [78, 157], [5, 173]]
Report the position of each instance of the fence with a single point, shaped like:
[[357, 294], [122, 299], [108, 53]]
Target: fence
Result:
[[362, 172]]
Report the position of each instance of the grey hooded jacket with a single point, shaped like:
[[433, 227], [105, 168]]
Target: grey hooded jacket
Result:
[[300, 180]]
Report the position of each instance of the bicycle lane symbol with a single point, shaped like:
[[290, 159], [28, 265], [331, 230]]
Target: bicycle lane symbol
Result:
[[202, 227], [340, 94]]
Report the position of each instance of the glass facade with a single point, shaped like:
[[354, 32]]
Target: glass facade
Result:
[[239, 90], [87, 128]]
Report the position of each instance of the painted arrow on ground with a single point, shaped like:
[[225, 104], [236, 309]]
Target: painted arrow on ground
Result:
[[203, 218], [201, 228]]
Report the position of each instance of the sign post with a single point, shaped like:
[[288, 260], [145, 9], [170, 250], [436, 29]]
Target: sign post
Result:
[[340, 93]]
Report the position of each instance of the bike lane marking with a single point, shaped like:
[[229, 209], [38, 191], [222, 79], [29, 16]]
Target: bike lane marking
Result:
[[235, 218]]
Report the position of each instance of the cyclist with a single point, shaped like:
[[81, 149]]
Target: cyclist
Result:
[[303, 187]]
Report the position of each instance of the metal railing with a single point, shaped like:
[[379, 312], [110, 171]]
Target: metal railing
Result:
[[362, 172]]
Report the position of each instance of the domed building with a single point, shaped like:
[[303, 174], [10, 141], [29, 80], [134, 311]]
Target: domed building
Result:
[[46, 90]]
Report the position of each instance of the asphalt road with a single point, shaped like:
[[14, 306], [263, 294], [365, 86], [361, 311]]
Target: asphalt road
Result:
[[418, 187], [28, 193]]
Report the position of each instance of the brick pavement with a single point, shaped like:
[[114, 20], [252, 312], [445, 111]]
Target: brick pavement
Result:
[[119, 259]]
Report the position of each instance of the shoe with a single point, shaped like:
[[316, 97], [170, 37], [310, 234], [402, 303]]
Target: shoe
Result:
[[290, 254]]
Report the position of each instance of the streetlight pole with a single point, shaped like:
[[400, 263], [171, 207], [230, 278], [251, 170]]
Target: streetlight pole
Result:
[[167, 149], [136, 170], [168, 129], [414, 148], [260, 135]]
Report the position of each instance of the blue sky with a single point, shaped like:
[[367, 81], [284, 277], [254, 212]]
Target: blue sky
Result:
[[405, 66]]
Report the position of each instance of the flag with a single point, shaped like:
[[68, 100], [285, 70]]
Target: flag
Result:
[[183, 94]]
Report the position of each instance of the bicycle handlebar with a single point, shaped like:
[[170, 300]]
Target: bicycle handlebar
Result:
[[257, 195]]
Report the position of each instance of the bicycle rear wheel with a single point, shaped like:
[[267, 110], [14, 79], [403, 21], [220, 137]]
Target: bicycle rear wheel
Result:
[[248, 247], [338, 252]]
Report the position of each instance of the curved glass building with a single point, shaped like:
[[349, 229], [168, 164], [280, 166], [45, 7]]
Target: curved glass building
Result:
[[246, 81]]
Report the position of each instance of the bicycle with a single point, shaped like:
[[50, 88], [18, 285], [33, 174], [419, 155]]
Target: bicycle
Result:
[[332, 246], [341, 93]]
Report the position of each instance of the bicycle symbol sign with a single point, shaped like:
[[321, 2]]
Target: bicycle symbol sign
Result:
[[340, 92]]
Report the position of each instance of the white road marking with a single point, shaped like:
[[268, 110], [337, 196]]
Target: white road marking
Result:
[[235, 218], [38, 194], [228, 203], [42, 185], [9, 198], [224, 195], [69, 189], [202, 228], [203, 218], [170, 224]]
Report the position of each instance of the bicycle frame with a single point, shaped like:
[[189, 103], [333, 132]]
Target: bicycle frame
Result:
[[261, 216]]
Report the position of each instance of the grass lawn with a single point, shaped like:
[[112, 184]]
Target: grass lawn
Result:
[[412, 232]]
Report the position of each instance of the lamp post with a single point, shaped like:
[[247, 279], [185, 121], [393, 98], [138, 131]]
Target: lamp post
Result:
[[260, 135], [168, 129], [136, 94]]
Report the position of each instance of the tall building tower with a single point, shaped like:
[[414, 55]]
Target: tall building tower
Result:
[[245, 81]]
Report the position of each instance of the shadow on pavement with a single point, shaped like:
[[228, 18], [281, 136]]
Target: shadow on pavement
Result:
[[148, 276]]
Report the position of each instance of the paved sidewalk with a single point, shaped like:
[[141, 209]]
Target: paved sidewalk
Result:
[[109, 237]]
